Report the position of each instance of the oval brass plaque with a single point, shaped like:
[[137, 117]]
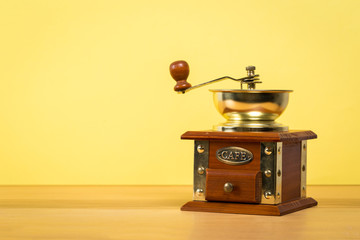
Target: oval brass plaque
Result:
[[234, 155]]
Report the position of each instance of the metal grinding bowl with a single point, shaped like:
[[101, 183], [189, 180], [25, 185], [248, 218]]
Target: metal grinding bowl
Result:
[[250, 110]]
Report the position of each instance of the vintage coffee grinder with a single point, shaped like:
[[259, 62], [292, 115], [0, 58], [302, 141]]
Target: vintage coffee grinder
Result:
[[249, 164]]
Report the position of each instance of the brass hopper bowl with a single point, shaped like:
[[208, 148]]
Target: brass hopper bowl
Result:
[[250, 110], [244, 109]]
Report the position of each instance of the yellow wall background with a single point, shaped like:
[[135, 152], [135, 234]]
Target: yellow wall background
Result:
[[86, 96]]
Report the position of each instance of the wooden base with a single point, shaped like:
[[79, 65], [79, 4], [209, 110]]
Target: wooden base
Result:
[[247, 208]]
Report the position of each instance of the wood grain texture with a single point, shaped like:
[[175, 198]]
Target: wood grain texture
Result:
[[253, 209], [291, 171], [246, 185], [293, 135], [153, 212]]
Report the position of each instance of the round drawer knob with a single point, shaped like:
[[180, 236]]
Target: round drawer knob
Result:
[[228, 187]]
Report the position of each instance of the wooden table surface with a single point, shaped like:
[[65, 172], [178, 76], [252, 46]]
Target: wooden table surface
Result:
[[152, 212]]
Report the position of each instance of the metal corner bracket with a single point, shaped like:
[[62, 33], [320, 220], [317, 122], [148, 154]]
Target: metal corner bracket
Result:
[[271, 168], [303, 168], [201, 163]]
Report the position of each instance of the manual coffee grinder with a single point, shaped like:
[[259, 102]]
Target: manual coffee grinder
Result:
[[249, 164]]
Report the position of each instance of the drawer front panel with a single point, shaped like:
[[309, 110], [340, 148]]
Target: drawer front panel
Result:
[[233, 185]]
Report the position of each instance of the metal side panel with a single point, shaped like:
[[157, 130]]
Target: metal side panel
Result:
[[303, 168], [201, 163], [271, 168]]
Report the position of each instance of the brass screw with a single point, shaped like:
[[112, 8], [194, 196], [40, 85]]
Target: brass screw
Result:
[[200, 148], [267, 195], [268, 151], [201, 170], [199, 192], [268, 173]]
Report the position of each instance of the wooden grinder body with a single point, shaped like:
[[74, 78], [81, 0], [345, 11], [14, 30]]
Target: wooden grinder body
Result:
[[273, 182]]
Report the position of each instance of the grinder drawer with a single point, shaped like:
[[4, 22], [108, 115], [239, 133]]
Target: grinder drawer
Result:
[[233, 185]]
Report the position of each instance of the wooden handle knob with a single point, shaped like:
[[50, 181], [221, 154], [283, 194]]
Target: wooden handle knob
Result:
[[179, 71]]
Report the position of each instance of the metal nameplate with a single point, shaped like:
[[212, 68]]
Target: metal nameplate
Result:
[[234, 155]]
